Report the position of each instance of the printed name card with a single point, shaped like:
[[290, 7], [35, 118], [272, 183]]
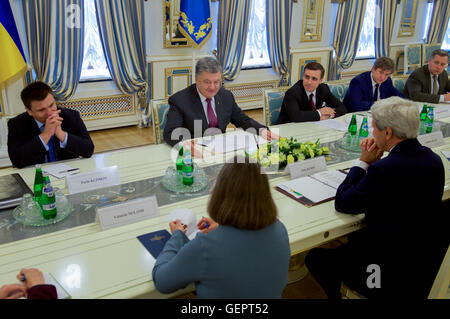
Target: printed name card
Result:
[[430, 140], [128, 212], [442, 111], [307, 167], [101, 178]]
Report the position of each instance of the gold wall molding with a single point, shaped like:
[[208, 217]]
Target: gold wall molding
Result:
[[312, 21]]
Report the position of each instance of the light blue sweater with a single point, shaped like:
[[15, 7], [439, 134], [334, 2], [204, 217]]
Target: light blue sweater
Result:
[[226, 263]]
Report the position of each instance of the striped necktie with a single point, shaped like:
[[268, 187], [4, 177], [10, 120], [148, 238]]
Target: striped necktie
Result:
[[435, 85]]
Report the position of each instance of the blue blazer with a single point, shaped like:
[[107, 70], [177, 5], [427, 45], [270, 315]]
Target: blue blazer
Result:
[[359, 96], [226, 263], [400, 196]]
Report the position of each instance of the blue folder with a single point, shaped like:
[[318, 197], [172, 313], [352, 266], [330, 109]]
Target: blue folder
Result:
[[154, 242]]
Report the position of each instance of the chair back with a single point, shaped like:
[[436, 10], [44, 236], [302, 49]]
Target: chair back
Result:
[[399, 82], [273, 99], [160, 108], [339, 88]]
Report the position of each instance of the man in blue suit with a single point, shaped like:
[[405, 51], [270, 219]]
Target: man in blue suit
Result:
[[371, 86], [399, 251]]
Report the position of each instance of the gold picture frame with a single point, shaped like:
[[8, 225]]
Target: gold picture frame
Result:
[[311, 30], [408, 18], [172, 36], [303, 62]]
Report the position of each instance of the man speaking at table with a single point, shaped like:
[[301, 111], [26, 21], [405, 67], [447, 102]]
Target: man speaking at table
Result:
[[309, 99], [398, 253], [46, 133], [430, 83], [205, 108]]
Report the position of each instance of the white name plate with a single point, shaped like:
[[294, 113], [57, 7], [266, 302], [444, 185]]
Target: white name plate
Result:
[[101, 178], [430, 140], [442, 111], [307, 167], [128, 212]]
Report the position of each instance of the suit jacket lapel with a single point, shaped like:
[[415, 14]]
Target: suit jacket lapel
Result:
[[319, 96], [370, 86], [427, 86], [220, 112]]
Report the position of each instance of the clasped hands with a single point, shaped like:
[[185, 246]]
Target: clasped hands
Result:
[[370, 152], [205, 225], [53, 127], [326, 113]]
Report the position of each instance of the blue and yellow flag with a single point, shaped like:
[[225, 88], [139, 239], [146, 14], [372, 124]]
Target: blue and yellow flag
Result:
[[195, 21], [13, 59]]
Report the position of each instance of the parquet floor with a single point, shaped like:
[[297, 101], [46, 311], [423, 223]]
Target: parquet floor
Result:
[[124, 137]]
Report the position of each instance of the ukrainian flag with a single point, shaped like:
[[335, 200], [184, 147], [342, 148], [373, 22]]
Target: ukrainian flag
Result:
[[195, 21], [13, 59]]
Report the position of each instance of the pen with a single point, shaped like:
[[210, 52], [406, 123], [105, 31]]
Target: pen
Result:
[[206, 223], [297, 193], [69, 170]]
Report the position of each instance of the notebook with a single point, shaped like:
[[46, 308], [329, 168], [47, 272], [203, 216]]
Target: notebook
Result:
[[154, 242], [313, 189], [12, 188]]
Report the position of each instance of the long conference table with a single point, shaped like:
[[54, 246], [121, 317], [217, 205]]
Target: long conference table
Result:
[[93, 263]]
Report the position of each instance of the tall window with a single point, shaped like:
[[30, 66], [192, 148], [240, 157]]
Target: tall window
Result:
[[429, 9], [256, 53], [366, 47], [94, 62], [446, 42]]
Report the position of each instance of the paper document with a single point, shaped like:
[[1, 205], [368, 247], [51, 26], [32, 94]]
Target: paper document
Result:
[[333, 124], [233, 142], [446, 154], [60, 170], [315, 188], [187, 217], [62, 293]]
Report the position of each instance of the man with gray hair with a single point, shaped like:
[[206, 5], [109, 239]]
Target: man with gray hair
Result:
[[205, 107], [401, 197], [371, 86], [430, 83]]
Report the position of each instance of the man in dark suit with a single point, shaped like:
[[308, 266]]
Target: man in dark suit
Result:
[[430, 83], [371, 86], [205, 108], [309, 99], [399, 252], [45, 133]]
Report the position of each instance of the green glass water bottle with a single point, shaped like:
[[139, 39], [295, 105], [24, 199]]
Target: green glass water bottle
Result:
[[423, 113], [48, 200], [352, 129], [429, 120], [188, 169], [38, 183], [179, 163], [423, 116], [364, 129]]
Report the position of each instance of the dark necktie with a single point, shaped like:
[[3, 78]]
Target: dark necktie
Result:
[[212, 119], [375, 95], [435, 85], [311, 102], [51, 148]]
